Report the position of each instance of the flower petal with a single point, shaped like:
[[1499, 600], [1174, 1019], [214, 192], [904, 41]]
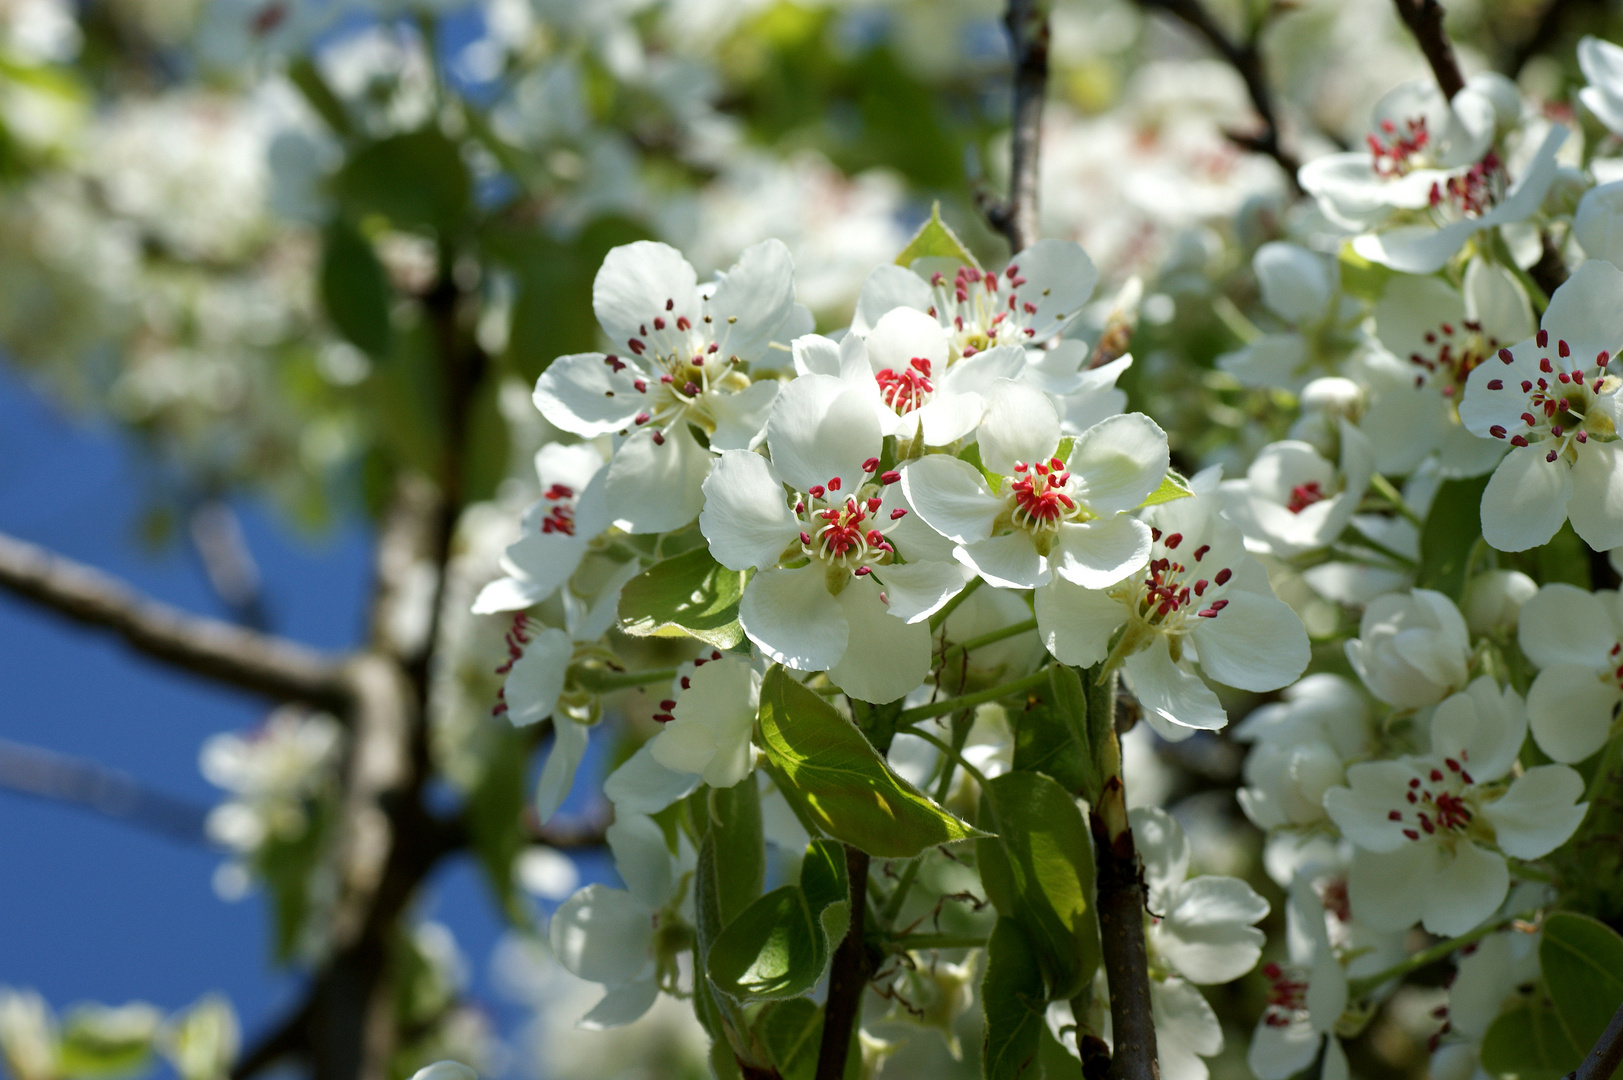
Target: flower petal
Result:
[[1169, 691], [1387, 890], [1020, 427], [602, 935], [885, 658], [643, 786], [746, 517], [563, 760], [887, 288], [1059, 279], [1255, 643], [1297, 284], [753, 300], [1076, 623], [537, 678], [915, 591], [1206, 934], [1526, 499], [951, 497], [1569, 709], [1097, 554], [821, 428], [622, 1005], [1596, 506], [1118, 462], [791, 616], [1539, 812], [582, 393], [1009, 561], [641, 857], [1466, 886], [741, 416], [905, 334], [635, 283], [655, 488]]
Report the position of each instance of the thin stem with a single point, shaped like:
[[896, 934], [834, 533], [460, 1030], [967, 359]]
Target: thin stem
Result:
[[1606, 1055], [951, 606], [1016, 217], [847, 976], [969, 701], [1392, 495], [943, 784], [1357, 988], [971, 644], [947, 748], [599, 681], [1424, 18], [1358, 539], [937, 941]]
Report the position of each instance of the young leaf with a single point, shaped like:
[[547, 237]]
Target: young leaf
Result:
[[1012, 995], [935, 240], [1172, 487], [1038, 872], [416, 179], [792, 1032], [355, 291], [1528, 1043], [774, 949], [688, 595], [1582, 961], [842, 784]]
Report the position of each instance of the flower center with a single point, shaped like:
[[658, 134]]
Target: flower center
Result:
[[1471, 193], [906, 390], [1453, 356], [1287, 994], [1305, 495], [1039, 496], [1398, 149], [1172, 589], [982, 309], [847, 535], [1437, 803], [561, 517], [693, 367], [1558, 401]]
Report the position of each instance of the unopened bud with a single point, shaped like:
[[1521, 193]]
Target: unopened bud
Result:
[[1493, 600]]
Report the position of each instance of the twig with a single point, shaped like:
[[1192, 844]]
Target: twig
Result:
[[1605, 1056], [1424, 18], [265, 664], [29, 770], [1016, 217], [847, 975], [1246, 59]]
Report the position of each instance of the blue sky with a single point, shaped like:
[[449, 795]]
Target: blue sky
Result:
[[91, 909]]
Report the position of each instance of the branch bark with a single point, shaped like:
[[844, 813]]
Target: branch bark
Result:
[[1424, 18], [1016, 217], [847, 975], [222, 651], [1246, 59], [1606, 1055], [58, 778]]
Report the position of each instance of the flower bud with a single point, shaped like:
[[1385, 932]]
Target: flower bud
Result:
[[1333, 394], [1493, 601]]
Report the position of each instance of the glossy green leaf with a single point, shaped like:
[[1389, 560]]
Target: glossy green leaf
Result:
[[726, 881], [688, 595], [1013, 1000], [839, 782], [1528, 1043], [416, 180], [1582, 962], [1452, 526], [935, 240], [792, 1033], [1172, 487], [780, 945], [1038, 871], [355, 291]]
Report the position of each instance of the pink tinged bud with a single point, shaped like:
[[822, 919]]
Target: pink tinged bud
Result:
[[898, 513], [1496, 384], [667, 379], [1497, 431], [1517, 440], [1582, 436], [1543, 338], [805, 538], [870, 465], [889, 477], [862, 571]]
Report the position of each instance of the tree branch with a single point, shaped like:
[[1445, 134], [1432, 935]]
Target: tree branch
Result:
[[847, 975], [29, 770], [1246, 59], [1016, 218], [1605, 1056], [264, 664], [1424, 18]]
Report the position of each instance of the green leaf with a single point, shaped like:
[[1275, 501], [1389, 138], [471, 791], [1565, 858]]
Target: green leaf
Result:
[[840, 782], [1038, 871], [935, 240], [779, 946], [100, 1041], [792, 1032], [1528, 1043], [1014, 1003], [1452, 527], [1172, 487], [355, 290], [1582, 961], [689, 595], [307, 77], [1360, 277], [726, 880], [416, 180]]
